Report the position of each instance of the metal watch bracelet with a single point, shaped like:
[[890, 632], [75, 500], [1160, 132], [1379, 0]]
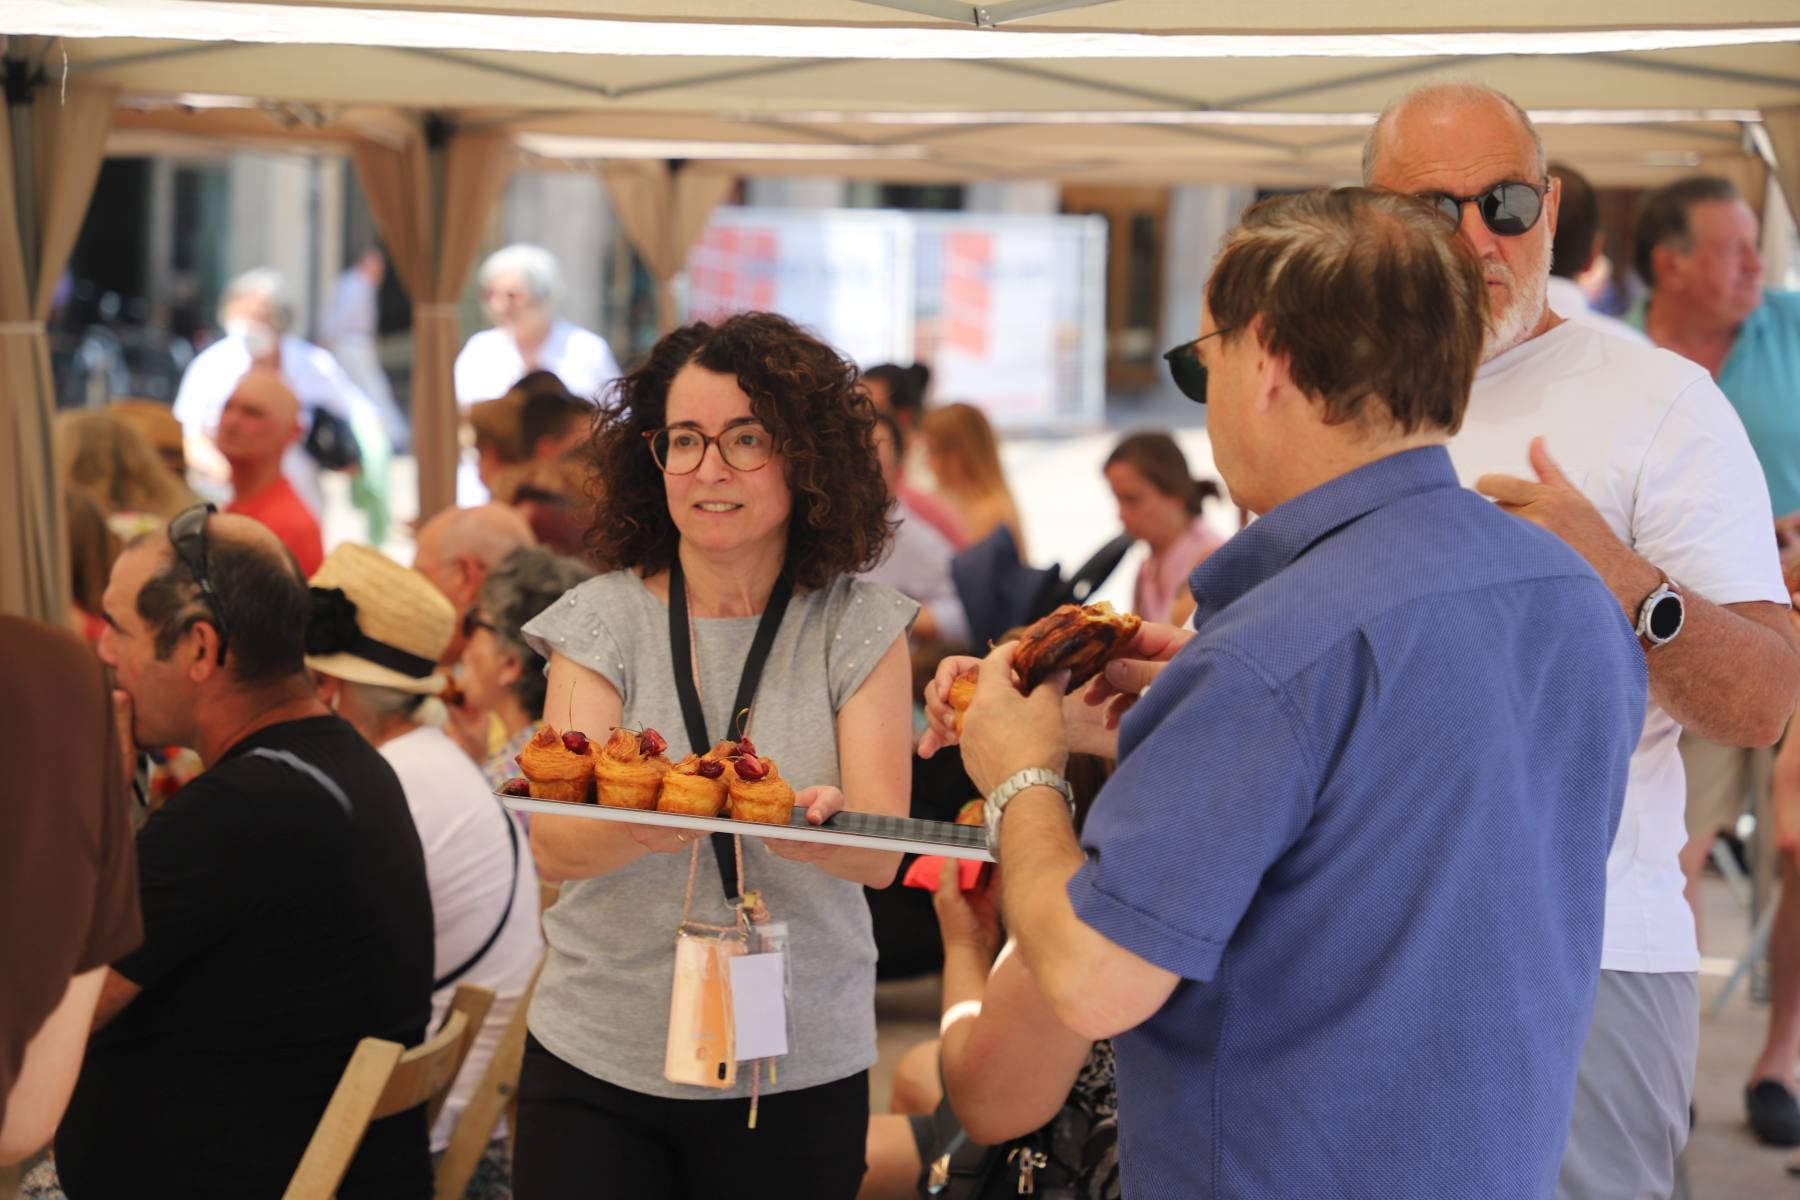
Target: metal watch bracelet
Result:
[[995, 805]]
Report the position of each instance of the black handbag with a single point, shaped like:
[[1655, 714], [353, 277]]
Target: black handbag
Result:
[[331, 442], [1074, 1157]]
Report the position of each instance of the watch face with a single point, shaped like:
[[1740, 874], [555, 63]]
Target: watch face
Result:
[[1665, 619]]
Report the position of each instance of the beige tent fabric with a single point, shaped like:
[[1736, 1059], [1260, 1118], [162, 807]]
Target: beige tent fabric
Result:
[[432, 207], [1783, 127], [663, 213], [1747, 173], [46, 179]]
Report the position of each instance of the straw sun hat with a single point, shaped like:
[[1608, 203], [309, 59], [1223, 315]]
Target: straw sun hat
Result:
[[377, 622]]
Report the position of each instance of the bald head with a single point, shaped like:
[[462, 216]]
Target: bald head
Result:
[[1444, 106], [1472, 150], [260, 421], [459, 546]]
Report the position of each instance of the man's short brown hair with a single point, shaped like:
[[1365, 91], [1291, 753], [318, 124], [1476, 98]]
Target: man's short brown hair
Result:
[[1664, 220], [1367, 295]]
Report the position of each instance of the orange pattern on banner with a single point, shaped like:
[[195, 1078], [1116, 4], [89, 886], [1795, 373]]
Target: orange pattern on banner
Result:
[[732, 270], [968, 296]]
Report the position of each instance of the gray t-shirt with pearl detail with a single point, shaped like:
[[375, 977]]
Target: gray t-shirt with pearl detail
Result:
[[602, 1004]]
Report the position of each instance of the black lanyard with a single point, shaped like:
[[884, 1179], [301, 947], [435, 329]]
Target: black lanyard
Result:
[[681, 650]]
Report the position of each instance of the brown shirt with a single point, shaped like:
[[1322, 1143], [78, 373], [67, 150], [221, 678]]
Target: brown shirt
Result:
[[68, 870]]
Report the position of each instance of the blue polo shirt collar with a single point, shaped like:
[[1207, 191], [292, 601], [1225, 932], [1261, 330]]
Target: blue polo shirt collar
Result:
[[1271, 543]]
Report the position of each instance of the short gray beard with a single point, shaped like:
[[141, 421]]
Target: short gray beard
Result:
[[1512, 326]]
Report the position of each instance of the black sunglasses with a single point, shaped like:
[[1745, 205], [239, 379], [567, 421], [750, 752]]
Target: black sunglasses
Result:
[[1186, 368], [1507, 209], [472, 621], [187, 534]]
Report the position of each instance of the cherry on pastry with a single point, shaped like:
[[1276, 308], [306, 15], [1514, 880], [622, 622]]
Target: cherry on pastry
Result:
[[709, 768], [651, 743], [575, 741], [745, 749], [750, 768]]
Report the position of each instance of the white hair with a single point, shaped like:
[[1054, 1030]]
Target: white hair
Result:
[[381, 704], [266, 282], [533, 264], [1464, 90]]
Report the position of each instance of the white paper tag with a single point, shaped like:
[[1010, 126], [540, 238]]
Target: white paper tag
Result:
[[759, 1005]]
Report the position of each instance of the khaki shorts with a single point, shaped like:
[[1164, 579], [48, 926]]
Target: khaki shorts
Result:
[[1721, 782]]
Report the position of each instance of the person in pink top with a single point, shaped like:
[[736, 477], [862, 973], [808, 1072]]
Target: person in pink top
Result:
[[1160, 504], [260, 421]]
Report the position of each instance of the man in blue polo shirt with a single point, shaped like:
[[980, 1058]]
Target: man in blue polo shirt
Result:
[[1341, 903], [1697, 248]]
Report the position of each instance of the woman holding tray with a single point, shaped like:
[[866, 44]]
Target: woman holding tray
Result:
[[740, 493]]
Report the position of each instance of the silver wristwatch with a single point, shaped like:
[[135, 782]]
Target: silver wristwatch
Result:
[[1662, 614], [998, 799]]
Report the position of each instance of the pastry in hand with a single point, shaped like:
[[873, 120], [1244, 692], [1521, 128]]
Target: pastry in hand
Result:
[[629, 768], [1079, 639], [961, 693], [557, 766], [758, 792], [695, 787]]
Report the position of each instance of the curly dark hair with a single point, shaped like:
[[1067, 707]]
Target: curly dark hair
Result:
[[822, 422]]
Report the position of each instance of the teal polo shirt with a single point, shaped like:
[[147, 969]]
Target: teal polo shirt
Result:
[[1761, 378]]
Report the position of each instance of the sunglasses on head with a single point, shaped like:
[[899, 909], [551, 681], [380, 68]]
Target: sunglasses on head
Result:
[[1186, 368], [1507, 209], [187, 534]]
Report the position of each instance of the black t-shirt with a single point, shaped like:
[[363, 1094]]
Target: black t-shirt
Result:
[[286, 917]]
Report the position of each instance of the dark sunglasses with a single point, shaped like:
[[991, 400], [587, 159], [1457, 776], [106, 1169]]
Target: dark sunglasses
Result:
[[1186, 368], [472, 621], [1507, 209], [187, 534]]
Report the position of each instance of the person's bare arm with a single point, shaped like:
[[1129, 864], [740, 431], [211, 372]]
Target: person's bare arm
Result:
[[47, 1075], [1732, 674], [874, 740], [116, 992], [1094, 986], [1009, 1068]]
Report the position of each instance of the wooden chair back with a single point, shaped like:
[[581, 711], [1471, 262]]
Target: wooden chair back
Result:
[[384, 1078], [495, 1093]]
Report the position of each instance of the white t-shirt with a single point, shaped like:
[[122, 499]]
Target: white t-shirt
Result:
[[310, 372], [490, 363], [1652, 442], [469, 865], [1569, 302]]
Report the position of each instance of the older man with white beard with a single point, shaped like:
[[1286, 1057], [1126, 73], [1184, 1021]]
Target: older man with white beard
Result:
[[1634, 457]]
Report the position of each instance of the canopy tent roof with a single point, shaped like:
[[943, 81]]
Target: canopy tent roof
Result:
[[912, 90]]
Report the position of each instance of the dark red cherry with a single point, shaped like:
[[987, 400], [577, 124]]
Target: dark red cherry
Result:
[[709, 768], [575, 742], [745, 748], [516, 787], [652, 743], [750, 768]]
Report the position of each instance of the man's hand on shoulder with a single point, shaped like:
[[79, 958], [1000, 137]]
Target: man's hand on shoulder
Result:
[[1556, 504]]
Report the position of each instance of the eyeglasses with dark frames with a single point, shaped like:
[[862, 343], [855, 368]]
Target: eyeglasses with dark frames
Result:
[[187, 534], [744, 444], [1186, 368], [473, 620], [1508, 209]]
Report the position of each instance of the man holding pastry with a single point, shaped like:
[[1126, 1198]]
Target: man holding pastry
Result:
[[1356, 843]]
